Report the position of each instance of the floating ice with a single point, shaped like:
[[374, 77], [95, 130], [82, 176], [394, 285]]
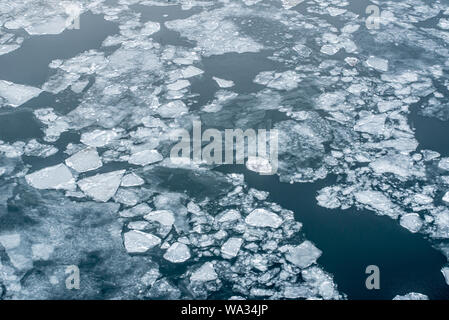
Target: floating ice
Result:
[[42, 251], [145, 157], [445, 272], [15, 95], [260, 165], [412, 296], [263, 218], [205, 273], [140, 242], [56, 177], [372, 124], [164, 217], [213, 33], [98, 138], [177, 253], [288, 4], [378, 201], [139, 210], [191, 71], [412, 222], [287, 80], [303, 255], [132, 180], [231, 248], [172, 109], [223, 83], [85, 160], [377, 63], [10, 241], [178, 85], [102, 187]]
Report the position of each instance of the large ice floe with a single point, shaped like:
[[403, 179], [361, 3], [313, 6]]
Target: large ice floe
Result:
[[93, 184]]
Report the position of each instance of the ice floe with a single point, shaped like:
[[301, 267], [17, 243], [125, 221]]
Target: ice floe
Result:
[[84, 160], [55, 177], [102, 187], [14, 95], [139, 242]]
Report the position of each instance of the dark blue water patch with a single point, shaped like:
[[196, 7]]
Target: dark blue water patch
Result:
[[19, 125], [353, 239], [29, 64]]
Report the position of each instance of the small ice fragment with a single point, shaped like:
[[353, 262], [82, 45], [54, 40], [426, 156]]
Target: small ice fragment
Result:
[[330, 49], [178, 85], [145, 157], [288, 4], [444, 164], [445, 272], [303, 255], [139, 210], [172, 109], [84, 160], [132, 180], [191, 71], [231, 248], [10, 241], [224, 83], [56, 177], [102, 187], [259, 165], [446, 197], [17, 94], [377, 63], [177, 253], [41, 251], [205, 273], [263, 218], [412, 222], [351, 61], [164, 217], [149, 28], [140, 242], [98, 138], [412, 296]]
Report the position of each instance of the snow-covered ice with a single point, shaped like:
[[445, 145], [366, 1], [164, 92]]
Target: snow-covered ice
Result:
[[177, 253], [84, 160], [140, 242]]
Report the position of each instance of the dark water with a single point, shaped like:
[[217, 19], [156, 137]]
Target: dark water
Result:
[[353, 239]]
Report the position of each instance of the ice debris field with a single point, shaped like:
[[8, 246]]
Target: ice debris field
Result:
[[86, 178]]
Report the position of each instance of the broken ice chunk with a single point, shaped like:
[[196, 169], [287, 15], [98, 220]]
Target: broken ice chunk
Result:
[[205, 273], [145, 157], [102, 187], [288, 4], [222, 83], [445, 272], [149, 28], [85, 160], [140, 242], [178, 85], [263, 218], [444, 164], [132, 180], [98, 138], [372, 124], [303, 255], [10, 241], [377, 63], [412, 296], [231, 248], [172, 109], [412, 222], [41, 251], [177, 253], [164, 217], [56, 177], [139, 210], [260, 165], [17, 94], [191, 71]]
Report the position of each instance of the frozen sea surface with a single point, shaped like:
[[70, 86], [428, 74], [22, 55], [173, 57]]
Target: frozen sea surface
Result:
[[87, 117]]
